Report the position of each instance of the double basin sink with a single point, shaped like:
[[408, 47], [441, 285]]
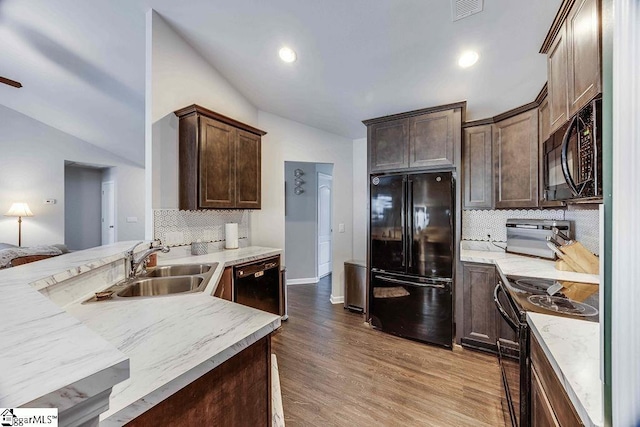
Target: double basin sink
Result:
[[162, 280]]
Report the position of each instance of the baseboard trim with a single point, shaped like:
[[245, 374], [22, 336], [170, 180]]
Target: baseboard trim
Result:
[[336, 300], [303, 281]]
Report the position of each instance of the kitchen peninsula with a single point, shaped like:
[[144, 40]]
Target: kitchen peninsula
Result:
[[70, 355]]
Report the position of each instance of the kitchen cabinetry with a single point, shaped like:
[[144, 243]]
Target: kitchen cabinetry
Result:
[[225, 286], [219, 161], [482, 324], [236, 393], [550, 404], [419, 139], [477, 167], [573, 59], [515, 156]]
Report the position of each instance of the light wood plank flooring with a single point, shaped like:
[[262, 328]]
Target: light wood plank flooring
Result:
[[337, 371]]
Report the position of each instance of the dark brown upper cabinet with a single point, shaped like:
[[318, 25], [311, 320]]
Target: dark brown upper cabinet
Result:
[[574, 59], [557, 81], [515, 157], [478, 167], [420, 139], [583, 37], [389, 145], [219, 161]]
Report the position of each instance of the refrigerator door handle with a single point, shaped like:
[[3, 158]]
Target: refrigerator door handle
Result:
[[406, 282], [410, 222], [403, 220]]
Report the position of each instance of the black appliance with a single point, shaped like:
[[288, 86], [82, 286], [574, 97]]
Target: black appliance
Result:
[[514, 296], [257, 285], [411, 255], [573, 158]]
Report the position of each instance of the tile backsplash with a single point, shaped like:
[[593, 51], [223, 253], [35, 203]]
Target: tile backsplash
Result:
[[476, 224], [176, 228]]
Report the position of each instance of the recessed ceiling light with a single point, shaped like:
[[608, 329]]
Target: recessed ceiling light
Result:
[[468, 58], [287, 54]]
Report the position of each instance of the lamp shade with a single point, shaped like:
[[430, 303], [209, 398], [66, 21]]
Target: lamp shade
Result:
[[19, 209]]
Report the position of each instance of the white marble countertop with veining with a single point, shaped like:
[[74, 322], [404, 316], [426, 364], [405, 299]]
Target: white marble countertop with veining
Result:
[[573, 349], [518, 265], [160, 343], [49, 358]]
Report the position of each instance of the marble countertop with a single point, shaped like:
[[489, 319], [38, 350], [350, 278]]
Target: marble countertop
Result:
[[518, 265], [160, 344], [574, 354], [50, 358]]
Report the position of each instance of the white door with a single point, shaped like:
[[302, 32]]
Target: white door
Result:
[[324, 224], [108, 213]]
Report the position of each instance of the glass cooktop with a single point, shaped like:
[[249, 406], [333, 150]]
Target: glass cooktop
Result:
[[561, 298]]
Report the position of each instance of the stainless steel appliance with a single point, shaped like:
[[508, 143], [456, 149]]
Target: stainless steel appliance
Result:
[[573, 158], [355, 284], [411, 255], [514, 296], [529, 236], [257, 285]]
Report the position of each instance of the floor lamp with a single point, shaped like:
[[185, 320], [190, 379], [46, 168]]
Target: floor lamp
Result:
[[19, 210]]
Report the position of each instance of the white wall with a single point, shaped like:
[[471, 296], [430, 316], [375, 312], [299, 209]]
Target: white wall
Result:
[[360, 200], [32, 169], [287, 140], [83, 207]]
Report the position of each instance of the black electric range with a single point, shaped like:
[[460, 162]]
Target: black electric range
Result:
[[514, 297]]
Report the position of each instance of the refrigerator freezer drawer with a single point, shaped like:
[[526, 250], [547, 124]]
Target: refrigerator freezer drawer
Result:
[[418, 311]]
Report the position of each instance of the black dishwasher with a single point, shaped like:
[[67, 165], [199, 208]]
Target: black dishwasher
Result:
[[257, 285]]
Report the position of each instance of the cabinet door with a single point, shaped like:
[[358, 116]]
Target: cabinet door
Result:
[[515, 154], [478, 168], [541, 411], [432, 137], [389, 145], [557, 80], [225, 286], [583, 45], [248, 178], [480, 326], [217, 160]]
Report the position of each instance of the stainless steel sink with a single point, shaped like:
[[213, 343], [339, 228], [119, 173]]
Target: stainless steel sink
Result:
[[178, 270], [145, 287], [162, 280]]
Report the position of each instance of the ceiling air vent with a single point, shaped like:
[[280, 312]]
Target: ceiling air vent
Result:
[[463, 8]]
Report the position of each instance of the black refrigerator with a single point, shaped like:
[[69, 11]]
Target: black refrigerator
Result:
[[411, 255]]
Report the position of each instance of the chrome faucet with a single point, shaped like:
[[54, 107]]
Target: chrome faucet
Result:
[[135, 264]]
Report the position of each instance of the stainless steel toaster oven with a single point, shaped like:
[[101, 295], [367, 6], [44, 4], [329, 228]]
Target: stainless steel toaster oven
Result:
[[529, 236]]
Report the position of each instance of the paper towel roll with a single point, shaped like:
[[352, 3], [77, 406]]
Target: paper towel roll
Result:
[[231, 235]]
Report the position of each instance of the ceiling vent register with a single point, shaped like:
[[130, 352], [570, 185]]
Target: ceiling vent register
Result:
[[463, 8]]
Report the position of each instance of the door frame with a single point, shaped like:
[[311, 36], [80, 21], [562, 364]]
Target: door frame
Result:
[[103, 211], [328, 178]]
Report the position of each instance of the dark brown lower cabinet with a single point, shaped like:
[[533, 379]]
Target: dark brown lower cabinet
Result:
[[482, 324], [225, 286], [550, 404], [236, 393]]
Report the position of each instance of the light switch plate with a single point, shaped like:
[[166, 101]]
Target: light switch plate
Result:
[[49, 201], [132, 219], [341, 228]]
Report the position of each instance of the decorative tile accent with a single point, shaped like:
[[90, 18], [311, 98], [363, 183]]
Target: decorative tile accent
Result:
[[177, 228], [476, 224]]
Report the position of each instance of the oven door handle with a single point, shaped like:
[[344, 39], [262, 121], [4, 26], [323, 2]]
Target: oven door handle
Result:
[[501, 309]]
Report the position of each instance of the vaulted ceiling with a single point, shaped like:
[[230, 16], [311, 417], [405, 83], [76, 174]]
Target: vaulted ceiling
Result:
[[82, 63]]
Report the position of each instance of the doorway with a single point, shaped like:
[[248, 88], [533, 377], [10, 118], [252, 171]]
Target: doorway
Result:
[[89, 206], [308, 221]]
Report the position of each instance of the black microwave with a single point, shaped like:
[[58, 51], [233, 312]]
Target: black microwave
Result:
[[573, 158]]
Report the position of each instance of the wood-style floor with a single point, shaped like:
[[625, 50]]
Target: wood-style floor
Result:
[[337, 371]]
